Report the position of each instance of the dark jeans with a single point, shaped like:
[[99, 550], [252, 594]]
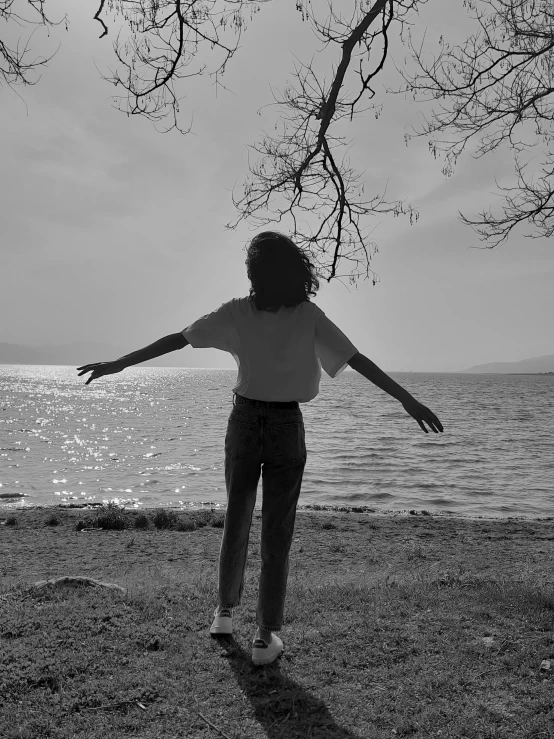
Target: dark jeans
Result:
[[267, 438]]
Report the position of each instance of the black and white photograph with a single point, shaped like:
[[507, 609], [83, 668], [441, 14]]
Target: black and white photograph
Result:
[[276, 369]]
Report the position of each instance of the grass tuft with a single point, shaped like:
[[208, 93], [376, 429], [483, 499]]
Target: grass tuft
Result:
[[186, 524], [164, 518], [141, 521], [328, 525], [218, 520], [112, 517], [203, 518]]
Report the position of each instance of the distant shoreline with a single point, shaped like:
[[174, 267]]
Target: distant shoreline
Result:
[[524, 373], [234, 369], [76, 509]]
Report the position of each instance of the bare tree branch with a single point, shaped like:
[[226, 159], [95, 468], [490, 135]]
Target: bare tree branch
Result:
[[496, 89], [301, 173], [532, 202], [165, 37], [16, 68], [99, 19]]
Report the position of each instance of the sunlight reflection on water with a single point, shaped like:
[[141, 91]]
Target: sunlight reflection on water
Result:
[[154, 436]]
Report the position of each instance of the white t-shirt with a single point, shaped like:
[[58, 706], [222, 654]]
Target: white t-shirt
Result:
[[279, 354]]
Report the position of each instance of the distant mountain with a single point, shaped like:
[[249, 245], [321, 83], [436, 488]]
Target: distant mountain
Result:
[[535, 364]]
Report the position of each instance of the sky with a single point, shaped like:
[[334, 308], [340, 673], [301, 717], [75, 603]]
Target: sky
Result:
[[114, 233]]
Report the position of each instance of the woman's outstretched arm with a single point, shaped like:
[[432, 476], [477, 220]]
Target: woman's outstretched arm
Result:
[[417, 410], [163, 346]]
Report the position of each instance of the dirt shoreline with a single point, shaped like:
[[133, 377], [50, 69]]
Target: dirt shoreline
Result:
[[328, 545], [6, 511]]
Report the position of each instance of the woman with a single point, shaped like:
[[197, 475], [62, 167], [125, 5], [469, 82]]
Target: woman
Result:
[[280, 340]]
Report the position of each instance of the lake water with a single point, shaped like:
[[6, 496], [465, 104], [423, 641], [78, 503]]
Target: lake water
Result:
[[152, 437]]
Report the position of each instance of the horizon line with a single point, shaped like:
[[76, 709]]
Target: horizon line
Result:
[[226, 369]]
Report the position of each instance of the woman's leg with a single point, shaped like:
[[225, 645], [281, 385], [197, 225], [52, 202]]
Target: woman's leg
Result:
[[284, 459], [242, 473]]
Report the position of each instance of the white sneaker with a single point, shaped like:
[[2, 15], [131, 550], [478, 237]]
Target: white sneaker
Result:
[[223, 621], [265, 654]]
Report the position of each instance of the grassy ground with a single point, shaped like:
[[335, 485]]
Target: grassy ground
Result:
[[395, 626]]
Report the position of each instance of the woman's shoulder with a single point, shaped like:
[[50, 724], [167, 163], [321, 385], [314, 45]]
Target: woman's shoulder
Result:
[[239, 306], [246, 304], [235, 303], [239, 303]]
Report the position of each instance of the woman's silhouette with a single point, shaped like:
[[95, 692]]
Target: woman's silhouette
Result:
[[280, 340]]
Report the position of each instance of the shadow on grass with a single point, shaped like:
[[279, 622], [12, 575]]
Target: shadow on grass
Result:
[[281, 705]]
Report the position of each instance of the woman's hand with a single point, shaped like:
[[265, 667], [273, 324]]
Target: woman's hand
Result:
[[422, 414], [99, 369]]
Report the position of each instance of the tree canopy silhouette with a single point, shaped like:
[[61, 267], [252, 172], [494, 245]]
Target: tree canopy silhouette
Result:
[[496, 88]]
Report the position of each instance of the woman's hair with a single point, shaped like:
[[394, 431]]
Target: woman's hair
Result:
[[280, 272]]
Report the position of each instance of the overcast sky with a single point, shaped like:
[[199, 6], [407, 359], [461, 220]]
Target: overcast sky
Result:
[[113, 232]]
